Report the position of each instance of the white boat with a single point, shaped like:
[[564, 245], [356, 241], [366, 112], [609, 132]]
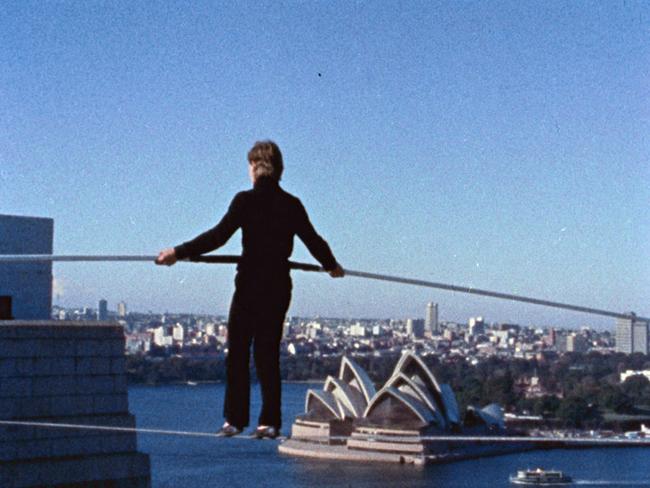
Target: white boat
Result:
[[540, 477]]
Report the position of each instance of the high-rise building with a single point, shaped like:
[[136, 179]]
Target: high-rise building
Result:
[[358, 330], [415, 328], [157, 336], [286, 330], [121, 309], [178, 333], [551, 337], [576, 343], [209, 329], [29, 285], [476, 326], [102, 310], [409, 327], [640, 334], [631, 336], [431, 324]]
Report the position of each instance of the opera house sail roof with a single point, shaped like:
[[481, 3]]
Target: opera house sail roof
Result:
[[349, 414]]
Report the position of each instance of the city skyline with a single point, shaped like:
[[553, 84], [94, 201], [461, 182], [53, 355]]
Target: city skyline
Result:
[[496, 145], [92, 311]]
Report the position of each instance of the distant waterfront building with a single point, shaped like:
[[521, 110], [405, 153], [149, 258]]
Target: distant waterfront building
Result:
[[160, 336], [551, 338], [561, 341], [29, 285], [121, 309], [358, 330], [102, 310], [640, 333], [476, 326], [87, 313], [501, 337], [576, 343], [210, 329], [415, 328], [286, 330], [431, 324], [631, 336], [630, 373], [178, 333]]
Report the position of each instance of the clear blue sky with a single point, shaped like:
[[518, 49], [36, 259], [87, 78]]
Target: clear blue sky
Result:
[[502, 145]]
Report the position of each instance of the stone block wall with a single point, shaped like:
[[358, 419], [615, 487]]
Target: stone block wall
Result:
[[72, 373]]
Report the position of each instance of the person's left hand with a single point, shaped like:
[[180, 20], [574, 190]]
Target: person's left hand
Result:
[[167, 257]]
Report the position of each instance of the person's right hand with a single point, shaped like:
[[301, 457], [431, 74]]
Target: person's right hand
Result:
[[337, 272], [166, 257]]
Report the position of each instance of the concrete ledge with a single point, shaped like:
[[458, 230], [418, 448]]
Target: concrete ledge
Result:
[[34, 329], [63, 406], [125, 483], [20, 432], [61, 347], [66, 373], [69, 471], [88, 445], [67, 365]]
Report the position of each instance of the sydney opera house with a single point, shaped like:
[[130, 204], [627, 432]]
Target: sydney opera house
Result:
[[412, 418]]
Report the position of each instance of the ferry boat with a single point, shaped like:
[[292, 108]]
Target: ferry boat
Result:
[[540, 477]]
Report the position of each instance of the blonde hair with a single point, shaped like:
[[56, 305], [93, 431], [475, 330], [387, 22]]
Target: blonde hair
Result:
[[266, 159]]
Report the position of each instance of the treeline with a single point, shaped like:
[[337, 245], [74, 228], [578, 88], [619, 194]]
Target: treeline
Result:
[[176, 369], [580, 388], [153, 371]]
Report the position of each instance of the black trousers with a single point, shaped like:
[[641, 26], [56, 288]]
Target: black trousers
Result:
[[256, 317]]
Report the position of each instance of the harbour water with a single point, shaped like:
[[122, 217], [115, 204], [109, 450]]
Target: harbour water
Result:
[[184, 462]]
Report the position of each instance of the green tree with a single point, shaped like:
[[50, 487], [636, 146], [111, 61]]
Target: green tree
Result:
[[546, 406], [576, 412]]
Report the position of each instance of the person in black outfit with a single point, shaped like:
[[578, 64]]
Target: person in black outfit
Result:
[[269, 218]]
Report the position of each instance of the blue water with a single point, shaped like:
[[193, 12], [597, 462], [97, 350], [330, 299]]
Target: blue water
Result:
[[184, 462]]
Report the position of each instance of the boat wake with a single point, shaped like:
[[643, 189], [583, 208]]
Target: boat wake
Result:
[[612, 482]]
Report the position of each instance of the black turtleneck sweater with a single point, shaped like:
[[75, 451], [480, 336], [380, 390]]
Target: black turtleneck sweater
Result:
[[269, 218]]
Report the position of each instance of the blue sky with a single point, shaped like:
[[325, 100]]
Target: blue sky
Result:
[[501, 145]]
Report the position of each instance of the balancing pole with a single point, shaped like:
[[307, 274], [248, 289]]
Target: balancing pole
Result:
[[233, 259]]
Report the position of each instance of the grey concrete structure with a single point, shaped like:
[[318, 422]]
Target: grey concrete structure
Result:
[[72, 373], [28, 284]]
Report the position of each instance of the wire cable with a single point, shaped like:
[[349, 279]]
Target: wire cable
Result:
[[365, 437]]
